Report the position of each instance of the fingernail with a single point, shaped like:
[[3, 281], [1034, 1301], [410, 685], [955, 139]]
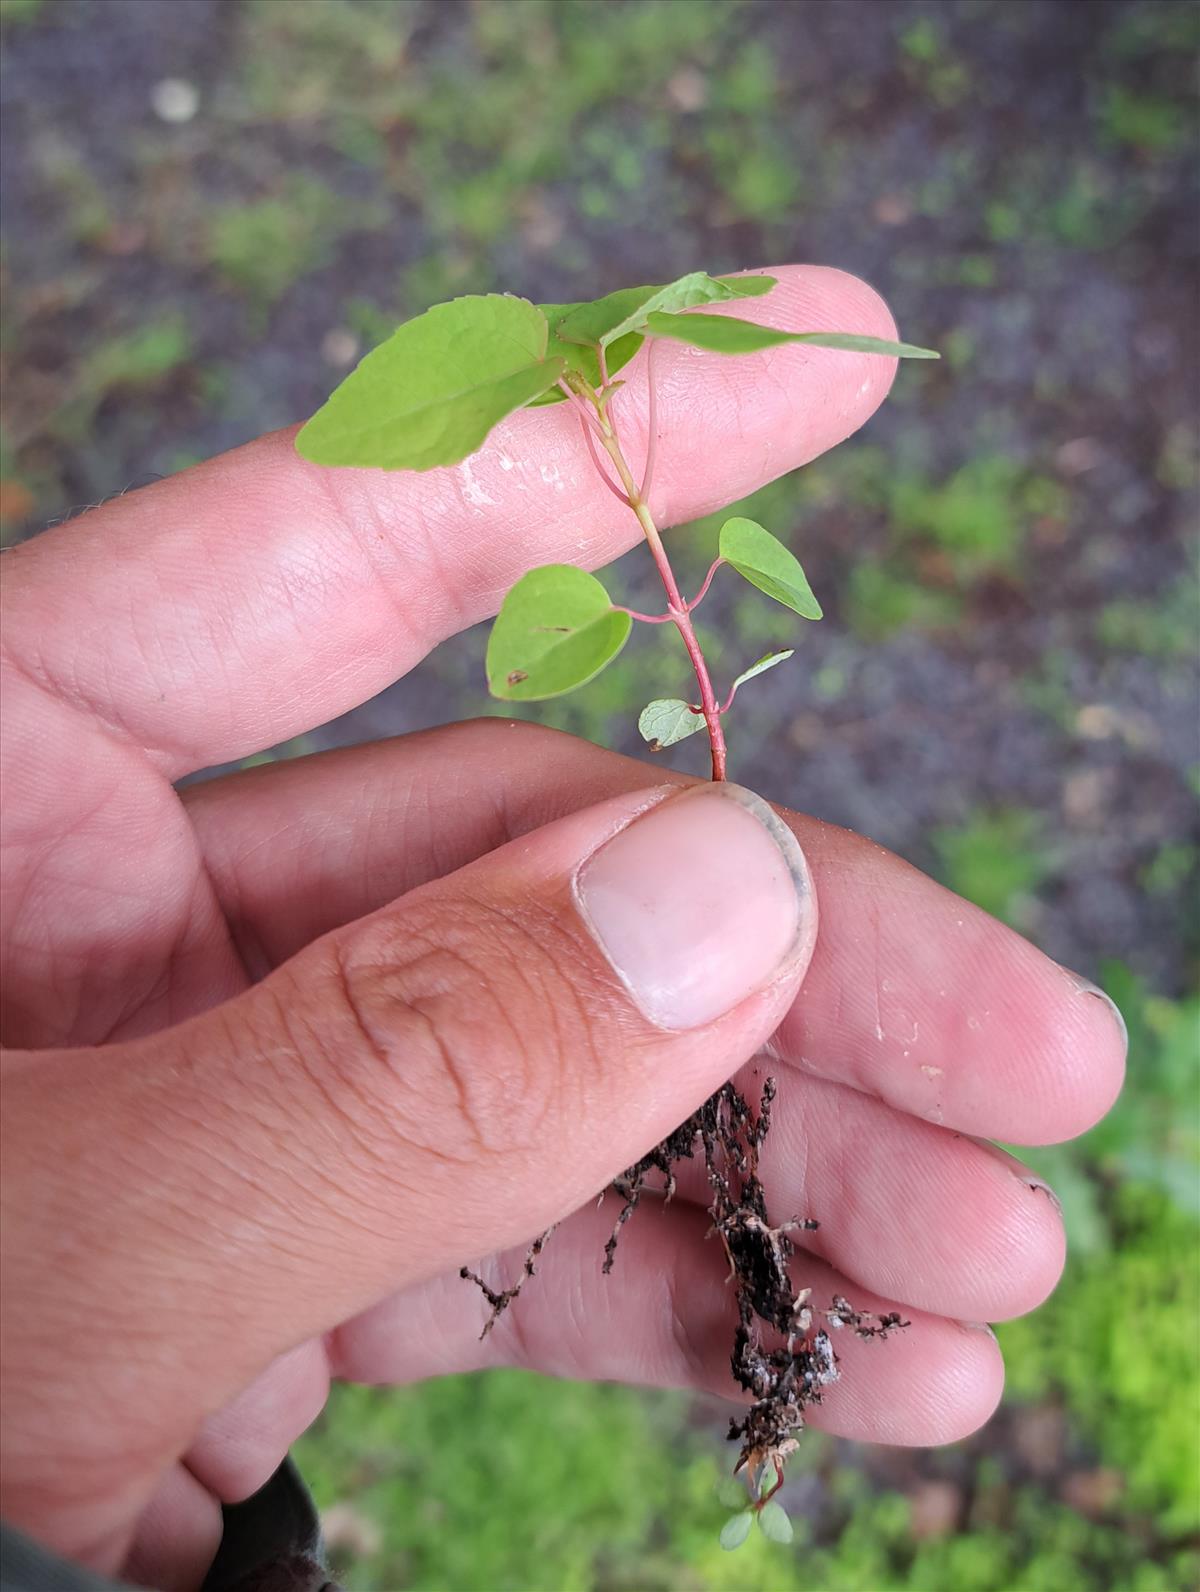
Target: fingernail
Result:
[[1023, 1174], [1084, 986], [979, 1326], [699, 903]]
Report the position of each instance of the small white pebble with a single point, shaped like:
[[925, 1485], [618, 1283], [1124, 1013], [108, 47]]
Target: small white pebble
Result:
[[175, 100], [339, 347]]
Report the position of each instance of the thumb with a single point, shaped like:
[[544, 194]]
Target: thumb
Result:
[[441, 1079]]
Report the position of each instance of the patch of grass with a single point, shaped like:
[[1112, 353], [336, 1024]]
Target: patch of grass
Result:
[[1151, 124], [263, 247], [1118, 1343], [999, 858], [884, 600], [19, 13], [1167, 627], [1154, 27], [1092, 209], [511, 1482], [137, 361], [63, 169], [931, 65], [1171, 867], [976, 516]]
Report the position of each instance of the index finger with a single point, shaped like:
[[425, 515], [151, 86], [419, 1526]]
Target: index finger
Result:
[[248, 599]]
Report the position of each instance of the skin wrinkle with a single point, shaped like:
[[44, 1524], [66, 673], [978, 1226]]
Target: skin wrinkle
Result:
[[506, 1112], [32, 674], [422, 545], [395, 1096]]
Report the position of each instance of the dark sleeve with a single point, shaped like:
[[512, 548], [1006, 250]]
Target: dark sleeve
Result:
[[270, 1543]]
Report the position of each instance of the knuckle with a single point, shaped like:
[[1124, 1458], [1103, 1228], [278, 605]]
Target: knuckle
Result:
[[456, 1029]]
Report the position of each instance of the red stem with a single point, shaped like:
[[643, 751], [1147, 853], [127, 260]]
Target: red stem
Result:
[[700, 595], [677, 608], [648, 619]]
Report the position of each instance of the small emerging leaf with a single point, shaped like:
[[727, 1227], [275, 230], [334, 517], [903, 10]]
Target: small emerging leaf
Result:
[[609, 318], [430, 394], [774, 1524], [582, 356], [556, 630], [748, 286], [766, 563], [667, 720], [724, 334], [736, 1529], [768, 661]]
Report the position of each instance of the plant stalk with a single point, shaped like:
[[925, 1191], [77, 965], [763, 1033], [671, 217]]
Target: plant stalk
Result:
[[677, 608]]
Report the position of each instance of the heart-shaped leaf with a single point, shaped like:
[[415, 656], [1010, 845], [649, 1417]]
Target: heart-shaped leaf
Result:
[[606, 319], [766, 563], [667, 720], [768, 661], [430, 394], [735, 1530], [774, 1524], [725, 334], [556, 630]]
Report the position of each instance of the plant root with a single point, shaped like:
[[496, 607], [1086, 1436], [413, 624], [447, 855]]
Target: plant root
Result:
[[783, 1379]]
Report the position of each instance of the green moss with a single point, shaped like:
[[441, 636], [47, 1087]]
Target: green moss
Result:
[[1118, 1343], [1170, 868], [507, 1481], [977, 516], [137, 361], [262, 248], [1164, 628], [20, 13], [1151, 124], [883, 600], [998, 859]]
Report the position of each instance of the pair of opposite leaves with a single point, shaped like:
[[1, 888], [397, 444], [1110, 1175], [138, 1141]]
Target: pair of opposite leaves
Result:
[[429, 395], [558, 628]]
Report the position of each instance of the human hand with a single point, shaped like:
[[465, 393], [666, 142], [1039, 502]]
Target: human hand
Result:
[[297, 1044]]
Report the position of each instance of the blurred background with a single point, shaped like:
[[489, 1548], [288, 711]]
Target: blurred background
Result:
[[214, 207]]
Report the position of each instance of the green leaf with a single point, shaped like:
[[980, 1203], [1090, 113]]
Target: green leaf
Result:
[[774, 1524], [767, 661], [430, 394], [556, 630], [667, 720], [736, 1529], [605, 320], [582, 357], [748, 286], [766, 563], [725, 334], [731, 1493]]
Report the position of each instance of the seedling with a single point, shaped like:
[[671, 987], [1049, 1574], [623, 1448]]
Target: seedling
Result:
[[427, 398], [430, 394]]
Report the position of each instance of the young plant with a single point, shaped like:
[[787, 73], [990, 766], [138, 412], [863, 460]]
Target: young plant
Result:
[[431, 393], [427, 398]]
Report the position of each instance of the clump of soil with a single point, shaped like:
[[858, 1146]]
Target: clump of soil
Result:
[[780, 1357]]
